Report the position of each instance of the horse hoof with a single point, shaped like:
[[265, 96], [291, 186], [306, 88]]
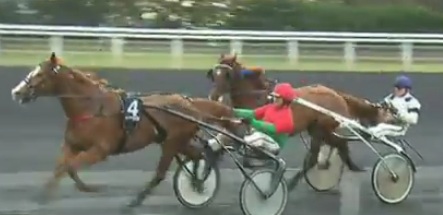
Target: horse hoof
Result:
[[357, 169], [90, 189], [134, 203], [127, 210], [41, 199], [292, 185], [323, 166]]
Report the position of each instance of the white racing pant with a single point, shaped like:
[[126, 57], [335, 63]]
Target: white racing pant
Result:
[[384, 129], [256, 139], [261, 140]]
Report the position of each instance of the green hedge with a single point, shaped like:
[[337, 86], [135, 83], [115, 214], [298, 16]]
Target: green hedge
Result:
[[307, 15], [324, 16]]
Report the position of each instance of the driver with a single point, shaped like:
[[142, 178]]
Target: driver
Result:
[[258, 72], [272, 123], [407, 106]]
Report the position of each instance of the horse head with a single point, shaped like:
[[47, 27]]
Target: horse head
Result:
[[49, 78], [223, 74]]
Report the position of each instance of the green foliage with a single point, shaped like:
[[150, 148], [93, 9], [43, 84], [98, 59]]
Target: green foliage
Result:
[[69, 12], [306, 15], [334, 16]]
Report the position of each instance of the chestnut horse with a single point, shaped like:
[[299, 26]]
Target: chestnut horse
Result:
[[95, 122], [321, 128]]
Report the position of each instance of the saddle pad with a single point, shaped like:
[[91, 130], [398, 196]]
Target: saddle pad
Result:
[[132, 108]]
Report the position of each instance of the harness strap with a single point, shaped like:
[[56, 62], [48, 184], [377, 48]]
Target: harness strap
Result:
[[161, 135]]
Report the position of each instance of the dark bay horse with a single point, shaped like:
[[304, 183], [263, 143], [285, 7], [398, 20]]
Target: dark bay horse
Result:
[[95, 122], [321, 128]]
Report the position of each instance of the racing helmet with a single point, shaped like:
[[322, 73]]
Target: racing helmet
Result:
[[285, 91], [403, 81]]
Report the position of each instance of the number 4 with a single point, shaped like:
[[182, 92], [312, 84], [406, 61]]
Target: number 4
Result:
[[133, 108]]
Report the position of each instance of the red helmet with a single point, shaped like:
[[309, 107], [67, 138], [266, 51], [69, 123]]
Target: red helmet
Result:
[[285, 91]]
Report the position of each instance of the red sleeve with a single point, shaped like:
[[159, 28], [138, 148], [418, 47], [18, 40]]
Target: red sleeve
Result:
[[260, 112], [286, 124]]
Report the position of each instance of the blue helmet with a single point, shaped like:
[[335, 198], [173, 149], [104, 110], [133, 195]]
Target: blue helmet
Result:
[[403, 81]]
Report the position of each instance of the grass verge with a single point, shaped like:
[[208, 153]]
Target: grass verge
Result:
[[206, 61]]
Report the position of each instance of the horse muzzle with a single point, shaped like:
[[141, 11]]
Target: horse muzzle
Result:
[[23, 97]]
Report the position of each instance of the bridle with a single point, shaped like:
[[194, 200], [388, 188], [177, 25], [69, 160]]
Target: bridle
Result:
[[230, 70], [32, 94]]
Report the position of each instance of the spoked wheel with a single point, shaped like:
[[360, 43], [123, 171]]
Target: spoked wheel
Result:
[[187, 193], [253, 203], [393, 179], [323, 178]]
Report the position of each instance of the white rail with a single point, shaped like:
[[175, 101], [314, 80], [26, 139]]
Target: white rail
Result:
[[117, 36]]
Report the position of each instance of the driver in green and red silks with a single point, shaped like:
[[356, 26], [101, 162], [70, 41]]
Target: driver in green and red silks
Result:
[[272, 123]]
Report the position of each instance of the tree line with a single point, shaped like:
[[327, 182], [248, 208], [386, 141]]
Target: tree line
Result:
[[320, 15]]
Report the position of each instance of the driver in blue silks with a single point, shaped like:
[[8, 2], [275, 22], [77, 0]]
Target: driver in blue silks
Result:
[[258, 73], [407, 106]]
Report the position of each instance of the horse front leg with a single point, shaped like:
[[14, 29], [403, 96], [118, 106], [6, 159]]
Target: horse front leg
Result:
[[82, 160], [80, 185], [58, 173], [343, 151]]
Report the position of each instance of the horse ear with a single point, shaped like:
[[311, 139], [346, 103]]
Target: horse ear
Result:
[[222, 56], [53, 58], [234, 59], [209, 74]]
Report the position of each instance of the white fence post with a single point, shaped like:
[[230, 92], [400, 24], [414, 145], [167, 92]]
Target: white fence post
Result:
[[236, 47], [407, 55], [117, 49], [349, 55], [56, 45], [177, 53], [293, 39], [293, 52]]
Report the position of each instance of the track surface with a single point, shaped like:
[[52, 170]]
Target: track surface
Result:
[[30, 137]]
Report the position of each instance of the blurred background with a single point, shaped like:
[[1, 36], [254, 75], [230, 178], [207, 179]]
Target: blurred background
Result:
[[309, 15], [170, 49]]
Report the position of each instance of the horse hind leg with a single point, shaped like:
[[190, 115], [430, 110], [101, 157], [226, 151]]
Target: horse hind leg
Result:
[[324, 156], [343, 151], [308, 164], [169, 150]]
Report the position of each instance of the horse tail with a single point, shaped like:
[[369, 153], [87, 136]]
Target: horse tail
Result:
[[360, 108]]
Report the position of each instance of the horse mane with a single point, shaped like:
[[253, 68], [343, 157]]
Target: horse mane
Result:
[[79, 75], [102, 82]]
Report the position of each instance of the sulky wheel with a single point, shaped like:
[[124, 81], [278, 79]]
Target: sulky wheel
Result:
[[253, 203], [392, 187], [186, 192], [323, 178]]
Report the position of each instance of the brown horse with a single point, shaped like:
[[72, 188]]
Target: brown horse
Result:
[[95, 127], [244, 91], [321, 128]]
